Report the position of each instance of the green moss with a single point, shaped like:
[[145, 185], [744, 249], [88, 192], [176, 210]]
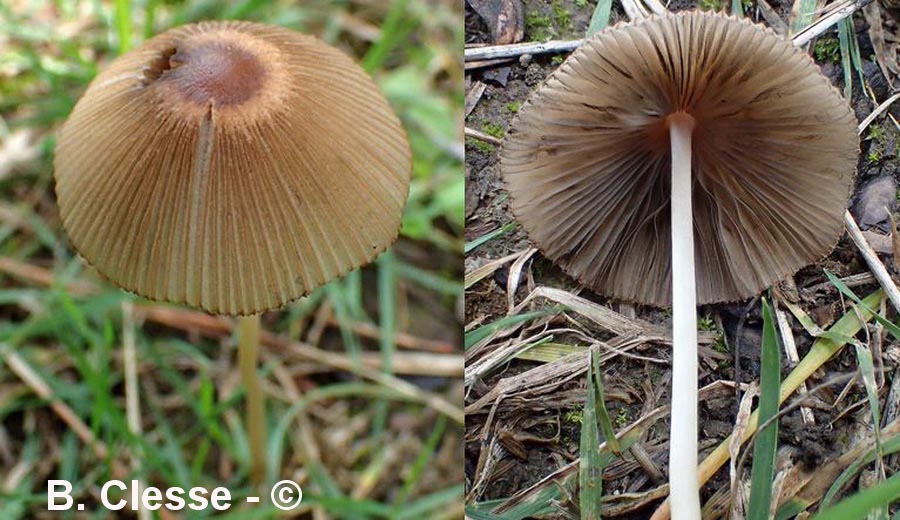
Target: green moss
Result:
[[562, 16], [557, 60], [707, 324], [539, 26], [710, 5], [575, 415], [543, 25], [493, 130], [719, 343], [482, 146], [827, 49], [621, 419], [514, 106]]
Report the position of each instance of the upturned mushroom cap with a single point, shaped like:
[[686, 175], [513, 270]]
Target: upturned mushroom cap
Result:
[[231, 166], [587, 160]]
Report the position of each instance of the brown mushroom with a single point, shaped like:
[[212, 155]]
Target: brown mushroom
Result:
[[645, 117], [231, 166], [234, 167]]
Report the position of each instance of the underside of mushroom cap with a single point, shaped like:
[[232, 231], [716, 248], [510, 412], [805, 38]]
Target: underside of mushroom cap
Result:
[[587, 160], [231, 166]]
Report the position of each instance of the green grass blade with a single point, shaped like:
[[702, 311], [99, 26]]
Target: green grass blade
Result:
[[481, 510], [606, 426], [861, 504], [430, 280], [737, 8], [429, 505], [590, 469], [123, 24], [150, 18], [470, 246], [387, 307], [854, 51], [867, 368], [844, 40], [341, 300], [484, 331], [889, 446], [428, 450], [600, 17], [889, 325], [802, 14], [393, 33], [763, 472]]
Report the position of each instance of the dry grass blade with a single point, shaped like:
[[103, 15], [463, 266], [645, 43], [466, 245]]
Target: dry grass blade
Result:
[[872, 260], [479, 368], [877, 112], [634, 9], [604, 317], [790, 349], [371, 369], [515, 274], [31, 378], [834, 13], [734, 448], [807, 486], [480, 273]]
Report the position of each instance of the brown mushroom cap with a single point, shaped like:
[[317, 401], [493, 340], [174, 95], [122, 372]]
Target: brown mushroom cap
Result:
[[587, 160], [231, 166]]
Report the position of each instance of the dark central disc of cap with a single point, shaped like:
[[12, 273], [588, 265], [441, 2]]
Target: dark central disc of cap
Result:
[[224, 74]]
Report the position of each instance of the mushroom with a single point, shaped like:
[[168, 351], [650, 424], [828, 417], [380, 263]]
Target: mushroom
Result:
[[234, 167], [702, 129]]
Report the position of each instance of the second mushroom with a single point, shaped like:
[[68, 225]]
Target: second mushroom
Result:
[[683, 160]]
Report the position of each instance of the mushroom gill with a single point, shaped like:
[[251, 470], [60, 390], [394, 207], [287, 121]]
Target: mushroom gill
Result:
[[774, 147]]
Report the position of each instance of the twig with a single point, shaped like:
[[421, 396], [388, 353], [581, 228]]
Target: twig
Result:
[[489, 52], [790, 348], [871, 258], [877, 112]]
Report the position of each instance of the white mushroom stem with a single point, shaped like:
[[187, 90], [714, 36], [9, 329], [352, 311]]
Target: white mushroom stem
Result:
[[248, 359], [684, 491]]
